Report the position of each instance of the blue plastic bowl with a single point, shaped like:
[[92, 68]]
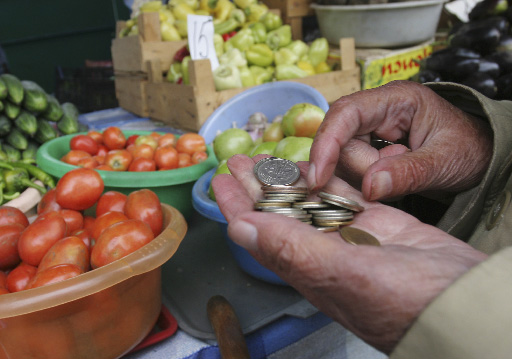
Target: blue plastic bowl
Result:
[[209, 209], [272, 99]]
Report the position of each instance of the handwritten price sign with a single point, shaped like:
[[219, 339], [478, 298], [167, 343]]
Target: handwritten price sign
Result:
[[200, 39]]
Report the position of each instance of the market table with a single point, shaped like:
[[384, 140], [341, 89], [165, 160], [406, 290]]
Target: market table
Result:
[[277, 320]]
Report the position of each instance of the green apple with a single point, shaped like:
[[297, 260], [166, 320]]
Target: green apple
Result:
[[302, 120], [231, 142], [294, 148], [273, 132], [221, 168], [266, 148]]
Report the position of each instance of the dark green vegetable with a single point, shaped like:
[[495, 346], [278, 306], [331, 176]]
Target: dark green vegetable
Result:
[[36, 172], [16, 139], [30, 152], [3, 156], [35, 98], [11, 110], [6, 165], [15, 92], [53, 111], [5, 126], [26, 123], [12, 153], [45, 131], [17, 180], [1, 106], [68, 123], [3, 89]]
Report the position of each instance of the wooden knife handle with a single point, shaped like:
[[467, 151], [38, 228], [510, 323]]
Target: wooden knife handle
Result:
[[227, 329]]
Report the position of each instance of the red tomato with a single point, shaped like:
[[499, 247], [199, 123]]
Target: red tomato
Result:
[[39, 236], [18, 278], [48, 202], [119, 240], [104, 167], [118, 160], [141, 164], [131, 140], [102, 150], [85, 236], [184, 159], [79, 189], [96, 136], [89, 223], [73, 156], [147, 139], [167, 139], [74, 219], [166, 157], [4, 291], [54, 274], [106, 220], [190, 143], [199, 157], [114, 138], [110, 201], [142, 150], [155, 135], [11, 215], [144, 205], [84, 143], [100, 159], [3, 279], [68, 250], [88, 162], [9, 236]]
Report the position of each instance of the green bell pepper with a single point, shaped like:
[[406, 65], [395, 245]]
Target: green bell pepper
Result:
[[285, 56], [184, 70], [226, 26], [242, 40], [255, 11], [233, 57], [287, 72], [299, 47], [259, 32], [226, 77], [271, 21], [242, 4], [246, 76], [318, 51], [279, 37], [174, 74], [218, 44], [238, 15], [306, 66], [262, 74], [259, 55]]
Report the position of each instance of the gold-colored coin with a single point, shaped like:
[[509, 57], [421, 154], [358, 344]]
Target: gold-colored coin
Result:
[[329, 223], [358, 237], [327, 229]]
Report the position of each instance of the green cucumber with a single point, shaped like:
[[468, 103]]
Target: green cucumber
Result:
[[35, 98], [26, 123], [54, 110], [3, 89], [16, 139], [45, 131], [15, 92], [68, 124], [1, 106], [5, 125], [11, 110], [30, 152], [12, 153]]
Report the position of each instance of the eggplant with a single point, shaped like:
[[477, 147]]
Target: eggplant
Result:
[[425, 75], [459, 69], [484, 41], [505, 44], [490, 68], [504, 84], [503, 59], [499, 22], [482, 9], [443, 60], [483, 83]]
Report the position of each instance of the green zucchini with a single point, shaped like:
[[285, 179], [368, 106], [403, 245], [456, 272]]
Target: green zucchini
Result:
[[26, 123], [12, 153], [16, 139], [45, 131], [54, 110], [5, 125], [11, 110], [15, 92], [68, 123], [35, 98], [3, 89]]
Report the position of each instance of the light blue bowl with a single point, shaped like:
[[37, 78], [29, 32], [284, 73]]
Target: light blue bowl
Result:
[[272, 99], [208, 208]]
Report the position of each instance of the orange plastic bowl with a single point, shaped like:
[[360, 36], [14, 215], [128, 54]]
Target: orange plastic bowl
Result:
[[103, 313]]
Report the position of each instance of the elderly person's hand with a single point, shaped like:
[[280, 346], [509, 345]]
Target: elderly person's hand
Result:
[[447, 150], [375, 292]]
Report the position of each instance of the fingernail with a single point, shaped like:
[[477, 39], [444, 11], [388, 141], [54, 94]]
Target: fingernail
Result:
[[311, 176], [381, 185], [244, 234]]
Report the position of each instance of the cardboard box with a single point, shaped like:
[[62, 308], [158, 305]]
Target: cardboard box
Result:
[[187, 107], [380, 66]]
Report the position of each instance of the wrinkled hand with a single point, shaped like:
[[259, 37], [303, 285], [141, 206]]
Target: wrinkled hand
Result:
[[375, 292], [448, 150]]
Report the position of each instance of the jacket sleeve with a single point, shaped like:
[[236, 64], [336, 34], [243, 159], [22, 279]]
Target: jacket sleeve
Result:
[[472, 318]]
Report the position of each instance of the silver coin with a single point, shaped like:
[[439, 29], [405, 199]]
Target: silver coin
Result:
[[341, 201], [278, 171], [284, 189], [284, 210], [328, 211], [259, 163], [311, 205], [333, 216], [259, 205]]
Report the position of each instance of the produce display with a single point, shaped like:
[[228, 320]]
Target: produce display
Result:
[[478, 54], [289, 136], [29, 117], [111, 150], [64, 240], [251, 42]]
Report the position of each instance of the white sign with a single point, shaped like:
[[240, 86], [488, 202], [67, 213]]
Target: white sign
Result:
[[200, 39]]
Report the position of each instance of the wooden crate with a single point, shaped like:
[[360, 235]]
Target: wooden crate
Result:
[[131, 93], [187, 107], [292, 12], [131, 53]]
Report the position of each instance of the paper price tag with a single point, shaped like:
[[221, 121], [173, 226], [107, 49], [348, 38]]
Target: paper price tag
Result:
[[200, 39]]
